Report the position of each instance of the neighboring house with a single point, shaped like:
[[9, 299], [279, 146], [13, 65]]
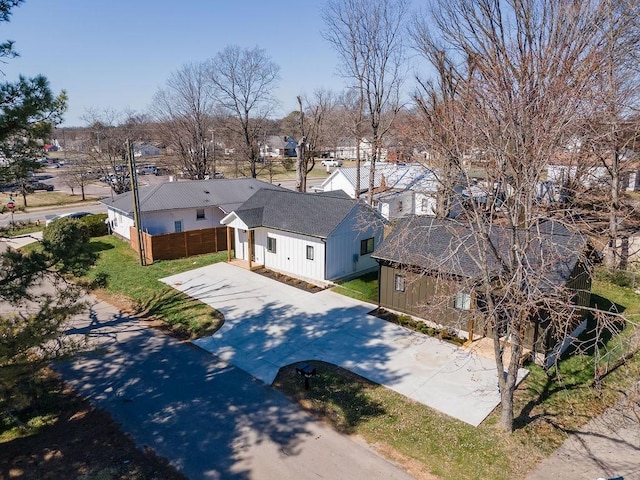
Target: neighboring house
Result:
[[347, 149], [181, 208], [400, 189], [315, 237], [428, 269], [277, 146], [565, 169], [146, 150]]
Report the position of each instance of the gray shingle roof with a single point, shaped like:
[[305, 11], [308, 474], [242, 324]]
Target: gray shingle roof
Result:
[[228, 194], [304, 213], [447, 246]]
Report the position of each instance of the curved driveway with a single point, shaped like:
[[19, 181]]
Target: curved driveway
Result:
[[269, 325], [209, 419]]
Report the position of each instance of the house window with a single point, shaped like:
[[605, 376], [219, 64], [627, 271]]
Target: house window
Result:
[[200, 214], [425, 205], [177, 226], [463, 301], [309, 252], [400, 206], [366, 246], [271, 244], [399, 283]]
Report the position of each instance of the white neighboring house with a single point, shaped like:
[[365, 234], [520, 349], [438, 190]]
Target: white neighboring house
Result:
[[180, 206], [346, 149], [400, 189], [314, 237]]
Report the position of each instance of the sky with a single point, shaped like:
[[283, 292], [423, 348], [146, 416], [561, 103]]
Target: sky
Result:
[[115, 54]]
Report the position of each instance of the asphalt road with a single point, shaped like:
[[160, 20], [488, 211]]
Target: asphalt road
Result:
[[209, 419]]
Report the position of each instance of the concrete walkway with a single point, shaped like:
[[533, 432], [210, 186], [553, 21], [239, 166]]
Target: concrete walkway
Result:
[[269, 325], [209, 419]]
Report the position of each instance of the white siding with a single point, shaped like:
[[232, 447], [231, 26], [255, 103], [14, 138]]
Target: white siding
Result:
[[291, 253], [343, 246], [120, 223], [338, 181], [242, 246], [429, 202], [156, 223]]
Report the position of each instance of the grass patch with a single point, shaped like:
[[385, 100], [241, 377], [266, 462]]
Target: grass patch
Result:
[[127, 281], [20, 229], [363, 288], [48, 199], [424, 439]]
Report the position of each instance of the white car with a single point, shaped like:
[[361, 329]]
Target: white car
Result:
[[331, 162]]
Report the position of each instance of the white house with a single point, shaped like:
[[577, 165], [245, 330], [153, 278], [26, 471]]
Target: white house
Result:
[[180, 206], [346, 149], [315, 237], [400, 189]]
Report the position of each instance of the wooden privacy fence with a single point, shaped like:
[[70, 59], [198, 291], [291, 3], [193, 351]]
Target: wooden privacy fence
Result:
[[168, 246]]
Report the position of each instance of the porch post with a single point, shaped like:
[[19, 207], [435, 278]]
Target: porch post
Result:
[[228, 244], [250, 247]]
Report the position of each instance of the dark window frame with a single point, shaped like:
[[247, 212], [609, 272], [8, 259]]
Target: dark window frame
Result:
[[367, 246], [271, 244]]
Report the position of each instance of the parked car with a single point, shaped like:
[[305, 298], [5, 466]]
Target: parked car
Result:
[[148, 170], [74, 215], [33, 186], [331, 162]]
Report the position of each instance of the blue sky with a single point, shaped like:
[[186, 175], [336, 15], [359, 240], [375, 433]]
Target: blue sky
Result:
[[117, 53]]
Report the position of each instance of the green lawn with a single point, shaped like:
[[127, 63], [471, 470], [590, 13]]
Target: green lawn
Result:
[[126, 279], [362, 288]]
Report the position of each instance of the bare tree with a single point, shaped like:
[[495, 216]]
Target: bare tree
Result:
[[368, 38], [243, 82], [311, 126], [524, 75], [184, 110]]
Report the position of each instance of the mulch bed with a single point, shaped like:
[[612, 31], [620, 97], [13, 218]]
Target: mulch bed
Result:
[[294, 282]]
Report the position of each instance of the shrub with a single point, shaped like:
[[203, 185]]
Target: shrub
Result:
[[96, 226], [288, 163], [67, 242]]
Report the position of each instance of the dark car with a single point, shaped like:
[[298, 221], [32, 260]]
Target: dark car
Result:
[[33, 186], [73, 215]]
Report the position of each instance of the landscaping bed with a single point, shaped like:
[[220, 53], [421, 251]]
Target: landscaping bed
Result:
[[293, 282], [407, 321]]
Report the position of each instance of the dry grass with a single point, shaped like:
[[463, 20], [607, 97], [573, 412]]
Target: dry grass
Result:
[[48, 199]]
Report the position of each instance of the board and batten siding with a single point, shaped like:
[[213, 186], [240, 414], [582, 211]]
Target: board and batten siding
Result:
[[343, 245], [291, 253], [424, 296]]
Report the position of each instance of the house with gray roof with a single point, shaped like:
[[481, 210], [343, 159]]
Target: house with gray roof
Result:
[[315, 237], [399, 189], [179, 208], [429, 267]]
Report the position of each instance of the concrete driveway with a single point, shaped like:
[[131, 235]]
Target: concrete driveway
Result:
[[269, 325], [212, 421]]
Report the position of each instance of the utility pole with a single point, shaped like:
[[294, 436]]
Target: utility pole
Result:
[[136, 201]]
